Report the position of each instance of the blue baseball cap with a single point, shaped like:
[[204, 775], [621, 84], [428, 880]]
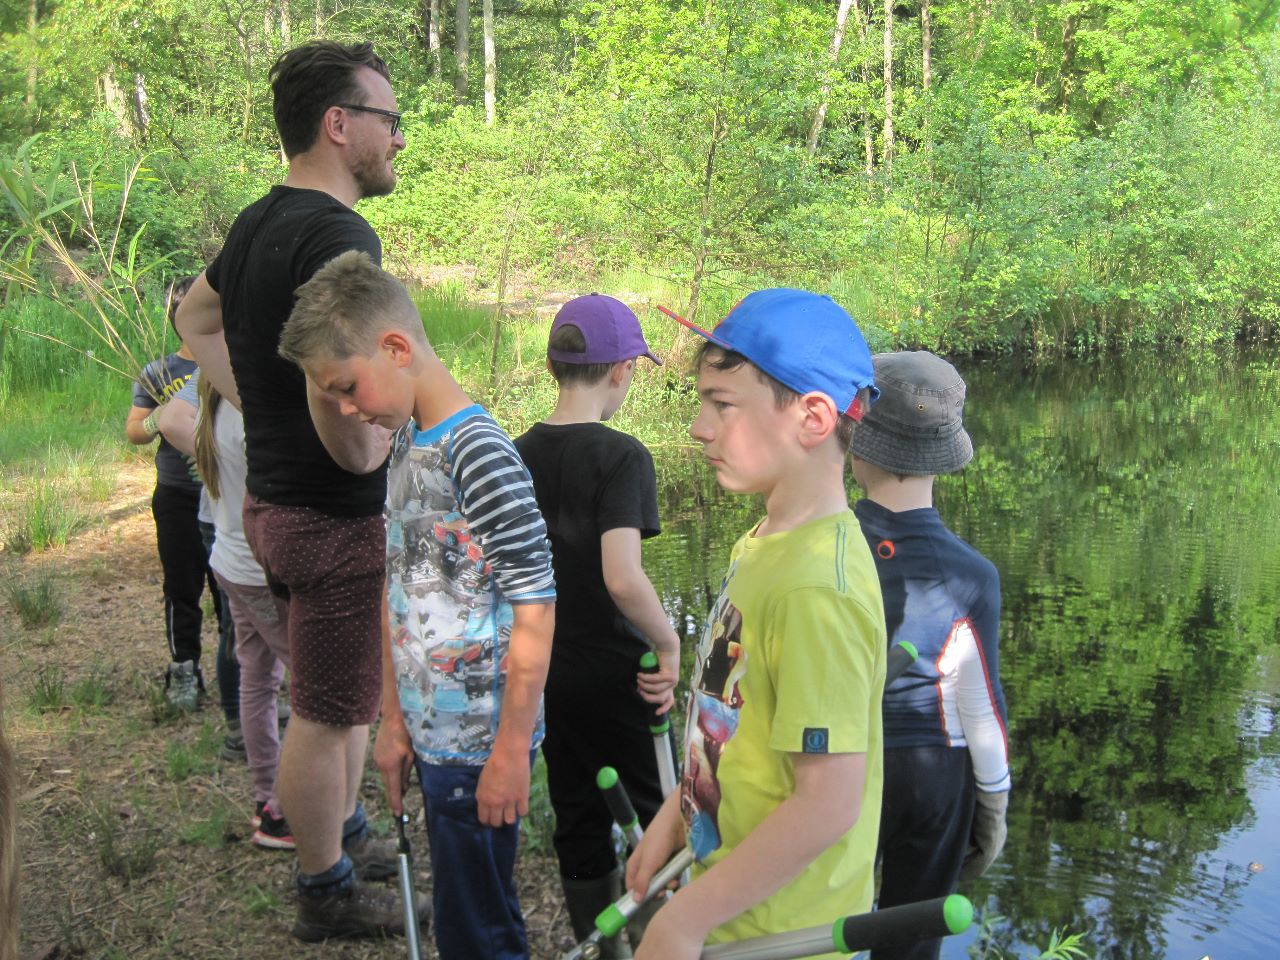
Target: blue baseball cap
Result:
[[804, 340]]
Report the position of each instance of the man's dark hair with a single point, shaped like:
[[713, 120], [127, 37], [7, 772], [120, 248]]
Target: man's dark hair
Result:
[[719, 358], [569, 338], [308, 80]]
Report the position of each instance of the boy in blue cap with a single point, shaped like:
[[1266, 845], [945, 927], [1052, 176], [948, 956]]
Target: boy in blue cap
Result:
[[780, 798], [598, 492]]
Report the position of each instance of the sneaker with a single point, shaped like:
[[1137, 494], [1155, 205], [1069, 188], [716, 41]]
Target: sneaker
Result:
[[272, 832], [182, 686], [374, 858], [233, 743], [359, 911], [283, 712]]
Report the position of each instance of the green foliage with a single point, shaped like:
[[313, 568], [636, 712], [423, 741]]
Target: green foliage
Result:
[[35, 599]]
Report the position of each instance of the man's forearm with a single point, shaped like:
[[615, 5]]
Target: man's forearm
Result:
[[354, 446]]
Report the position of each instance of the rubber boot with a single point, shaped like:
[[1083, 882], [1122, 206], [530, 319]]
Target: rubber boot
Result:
[[584, 900]]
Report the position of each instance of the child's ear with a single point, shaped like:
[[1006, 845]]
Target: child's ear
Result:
[[818, 418], [398, 345], [618, 372]]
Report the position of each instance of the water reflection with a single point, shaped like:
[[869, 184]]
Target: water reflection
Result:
[[1130, 506]]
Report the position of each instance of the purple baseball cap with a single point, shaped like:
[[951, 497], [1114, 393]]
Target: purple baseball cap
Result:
[[610, 328], [804, 340]]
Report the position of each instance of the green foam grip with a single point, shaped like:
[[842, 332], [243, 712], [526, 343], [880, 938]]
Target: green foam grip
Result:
[[606, 778], [610, 921]]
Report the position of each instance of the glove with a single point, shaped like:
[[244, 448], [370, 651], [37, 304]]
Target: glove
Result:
[[987, 836], [149, 423]]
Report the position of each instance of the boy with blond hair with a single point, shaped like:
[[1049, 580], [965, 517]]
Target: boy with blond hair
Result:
[[598, 493], [470, 595], [780, 798]]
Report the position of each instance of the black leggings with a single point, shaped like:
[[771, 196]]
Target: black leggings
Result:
[[185, 566]]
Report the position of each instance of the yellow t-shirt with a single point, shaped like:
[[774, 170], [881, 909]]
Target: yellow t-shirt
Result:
[[792, 660]]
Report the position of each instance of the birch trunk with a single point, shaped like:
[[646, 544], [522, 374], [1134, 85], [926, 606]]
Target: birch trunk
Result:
[[833, 55], [490, 66], [462, 48]]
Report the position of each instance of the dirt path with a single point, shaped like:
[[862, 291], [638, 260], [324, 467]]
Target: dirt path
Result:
[[134, 836]]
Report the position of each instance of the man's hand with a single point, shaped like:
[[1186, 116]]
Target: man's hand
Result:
[[393, 756], [986, 838], [658, 687], [502, 792]]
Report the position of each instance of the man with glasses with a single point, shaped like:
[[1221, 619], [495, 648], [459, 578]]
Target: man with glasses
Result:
[[316, 480]]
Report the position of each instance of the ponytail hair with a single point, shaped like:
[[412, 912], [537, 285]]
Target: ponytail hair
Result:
[[206, 446]]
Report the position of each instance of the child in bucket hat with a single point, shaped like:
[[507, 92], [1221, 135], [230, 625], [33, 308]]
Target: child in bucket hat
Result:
[[946, 758], [780, 795], [597, 489]]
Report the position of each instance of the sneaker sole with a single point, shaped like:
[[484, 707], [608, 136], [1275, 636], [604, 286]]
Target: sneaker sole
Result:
[[269, 842]]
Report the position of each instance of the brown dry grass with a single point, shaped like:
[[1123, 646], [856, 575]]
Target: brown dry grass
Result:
[[100, 787]]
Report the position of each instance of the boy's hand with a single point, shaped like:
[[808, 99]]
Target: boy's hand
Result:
[[664, 836], [502, 792], [393, 756], [987, 836], [658, 687]]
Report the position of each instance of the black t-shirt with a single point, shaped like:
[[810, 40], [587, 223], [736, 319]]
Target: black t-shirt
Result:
[[164, 378], [589, 479], [274, 247]]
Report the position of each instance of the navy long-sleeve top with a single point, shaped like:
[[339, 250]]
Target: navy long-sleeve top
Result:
[[944, 597]]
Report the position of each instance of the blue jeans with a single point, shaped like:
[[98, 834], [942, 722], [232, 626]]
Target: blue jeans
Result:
[[473, 890]]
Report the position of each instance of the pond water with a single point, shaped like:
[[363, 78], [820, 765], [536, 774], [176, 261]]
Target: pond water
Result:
[[1130, 506]]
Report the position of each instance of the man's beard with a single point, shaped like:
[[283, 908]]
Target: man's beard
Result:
[[374, 176]]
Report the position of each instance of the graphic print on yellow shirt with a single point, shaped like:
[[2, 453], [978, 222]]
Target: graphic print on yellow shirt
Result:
[[713, 720]]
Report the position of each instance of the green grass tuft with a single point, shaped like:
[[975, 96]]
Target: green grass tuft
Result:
[[35, 599]]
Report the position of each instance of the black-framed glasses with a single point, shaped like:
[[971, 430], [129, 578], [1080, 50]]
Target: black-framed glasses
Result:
[[390, 114]]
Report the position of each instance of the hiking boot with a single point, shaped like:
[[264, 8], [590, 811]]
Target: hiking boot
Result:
[[233, 743], [182, 686], [272, 832], [359, 911], [373, 858]]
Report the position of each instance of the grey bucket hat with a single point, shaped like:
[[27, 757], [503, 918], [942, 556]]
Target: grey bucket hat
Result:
[[916, 427]]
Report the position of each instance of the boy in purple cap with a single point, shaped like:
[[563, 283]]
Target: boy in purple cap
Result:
[[780, 798], [597, 491]]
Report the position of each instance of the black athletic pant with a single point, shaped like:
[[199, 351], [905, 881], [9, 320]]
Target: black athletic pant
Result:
[[595, 718], [925, 818], [185, 567]]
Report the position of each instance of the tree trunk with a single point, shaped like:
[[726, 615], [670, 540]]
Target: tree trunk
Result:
[[33, 59], [833, 54], [888, 85], [433, 36], [286, 28], [1067, 65], [114, 97], [926, 45], [141, 115], [319, 17], [490, 66], [462, 48], [868, 138]]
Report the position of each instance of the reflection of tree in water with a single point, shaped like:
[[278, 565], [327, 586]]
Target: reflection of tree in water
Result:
[[1129, 504]]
